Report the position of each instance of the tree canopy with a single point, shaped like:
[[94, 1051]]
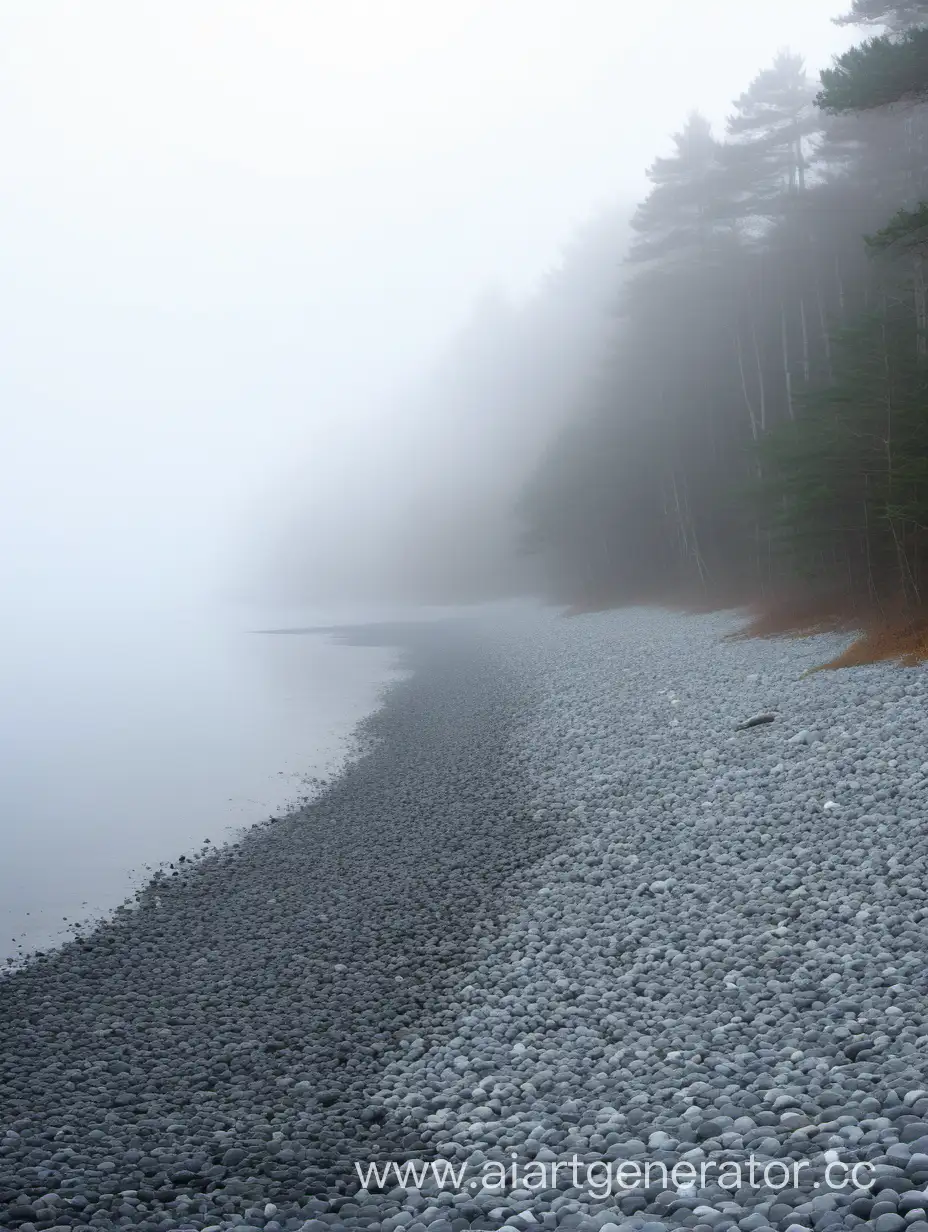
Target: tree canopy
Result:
[[759, 421]]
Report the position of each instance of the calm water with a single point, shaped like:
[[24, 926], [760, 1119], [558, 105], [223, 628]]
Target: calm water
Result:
[[127, 742]]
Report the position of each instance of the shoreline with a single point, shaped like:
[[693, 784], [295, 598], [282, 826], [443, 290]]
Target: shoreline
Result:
[[876, 635], [559, 904], [289, 943], [125, 753]]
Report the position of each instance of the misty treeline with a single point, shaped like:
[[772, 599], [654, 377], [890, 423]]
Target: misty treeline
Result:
[[422, 504], [477, 428], [755, 423]]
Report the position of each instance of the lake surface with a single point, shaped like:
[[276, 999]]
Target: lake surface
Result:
[[127, 741]]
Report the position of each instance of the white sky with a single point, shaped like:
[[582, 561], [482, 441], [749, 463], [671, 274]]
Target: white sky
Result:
[[233, 230]]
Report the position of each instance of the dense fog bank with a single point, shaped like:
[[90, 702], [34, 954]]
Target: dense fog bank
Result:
[[718, 396], [426, 502]]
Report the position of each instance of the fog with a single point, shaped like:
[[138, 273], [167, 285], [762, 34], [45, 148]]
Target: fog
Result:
[[241, 241], [308, 313]]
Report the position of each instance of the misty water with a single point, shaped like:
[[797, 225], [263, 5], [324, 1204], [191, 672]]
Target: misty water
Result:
[[129, 737]]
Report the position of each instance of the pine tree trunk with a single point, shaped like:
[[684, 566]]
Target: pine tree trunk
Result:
[[744, 386], [826, 337], [760, 380], [787, 378], [805, 341], [921, 311], [681, 523], [871, 584], [687, 530], [906, 580]]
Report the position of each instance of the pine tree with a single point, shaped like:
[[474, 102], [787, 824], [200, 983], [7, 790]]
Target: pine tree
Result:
[[848, 481], [761, 419], [877, 73], [766, 156], [679, 219], [895, 15]]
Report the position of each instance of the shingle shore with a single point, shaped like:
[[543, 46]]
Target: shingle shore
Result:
[[562, 908], [222, 1045]]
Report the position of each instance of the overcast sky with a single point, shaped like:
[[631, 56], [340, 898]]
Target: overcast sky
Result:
[[234, 230]]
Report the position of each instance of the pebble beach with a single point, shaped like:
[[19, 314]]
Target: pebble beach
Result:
[[563, 904]]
